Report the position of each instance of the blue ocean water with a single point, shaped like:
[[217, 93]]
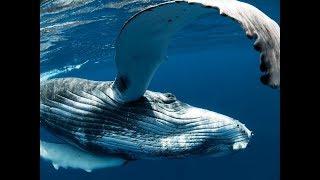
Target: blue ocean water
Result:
[[210, 64]]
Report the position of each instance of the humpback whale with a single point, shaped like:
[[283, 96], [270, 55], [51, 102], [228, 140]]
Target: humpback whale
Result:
[[108, 123]]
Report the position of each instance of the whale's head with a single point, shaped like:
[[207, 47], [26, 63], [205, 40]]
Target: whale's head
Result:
[[223, 135]]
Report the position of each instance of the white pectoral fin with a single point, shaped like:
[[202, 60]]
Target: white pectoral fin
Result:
[[143, 41], [68, 156]]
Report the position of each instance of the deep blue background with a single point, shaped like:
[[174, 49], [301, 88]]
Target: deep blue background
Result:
[[211, 64]]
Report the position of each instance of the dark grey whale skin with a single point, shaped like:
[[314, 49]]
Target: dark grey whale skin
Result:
[[157, 126]]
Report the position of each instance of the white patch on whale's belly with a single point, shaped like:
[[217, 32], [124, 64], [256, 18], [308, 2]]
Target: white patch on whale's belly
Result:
[[67, 156]]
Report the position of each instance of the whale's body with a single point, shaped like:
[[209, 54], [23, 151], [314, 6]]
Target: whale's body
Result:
[[107, 123], [156, 126]]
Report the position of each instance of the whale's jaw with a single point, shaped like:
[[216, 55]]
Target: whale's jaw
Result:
[[157, 126]]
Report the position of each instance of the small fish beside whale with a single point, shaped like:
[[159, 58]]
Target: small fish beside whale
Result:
[[108, 123]]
